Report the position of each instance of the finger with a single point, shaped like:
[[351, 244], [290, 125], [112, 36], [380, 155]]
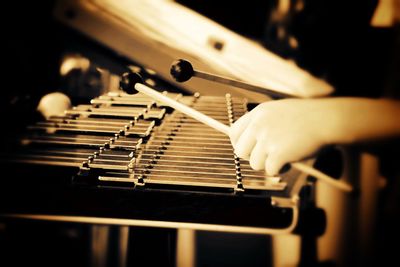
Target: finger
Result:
[[238, 127], [245, 143], [274, 164], [258, 156]]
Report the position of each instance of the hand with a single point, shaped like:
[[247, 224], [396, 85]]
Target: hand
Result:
[[283, 131], [279, 132]]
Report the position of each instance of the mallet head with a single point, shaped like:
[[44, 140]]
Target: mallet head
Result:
[[128, 81], [182, 70]]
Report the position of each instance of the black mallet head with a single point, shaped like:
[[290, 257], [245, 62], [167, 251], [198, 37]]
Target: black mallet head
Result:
[[182, 70], [128, 81]]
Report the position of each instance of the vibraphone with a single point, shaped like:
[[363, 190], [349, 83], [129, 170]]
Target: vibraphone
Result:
[[136, 147]]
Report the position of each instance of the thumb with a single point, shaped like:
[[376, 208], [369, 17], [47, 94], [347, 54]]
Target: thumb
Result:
[[238, 127]]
